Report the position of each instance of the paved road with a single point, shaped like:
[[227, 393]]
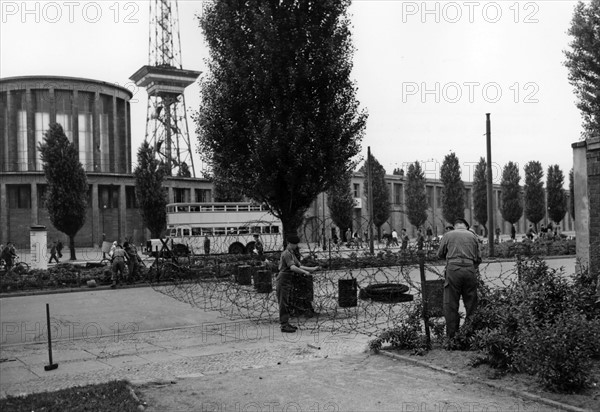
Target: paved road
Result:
[[223, 365]]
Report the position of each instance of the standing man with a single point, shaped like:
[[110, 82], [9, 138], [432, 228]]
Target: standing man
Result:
[[460, 248], [289, 265], [132, 261], [118, 265], [420, 239], [395, 237], [404, 238], [53, 253], [206, 245]]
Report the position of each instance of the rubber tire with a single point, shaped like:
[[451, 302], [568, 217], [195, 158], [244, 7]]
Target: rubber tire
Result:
[[385, 292]]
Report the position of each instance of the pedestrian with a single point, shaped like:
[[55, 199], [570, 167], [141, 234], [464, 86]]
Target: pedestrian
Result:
[[386, 238], [404, 238], [497, 241], [349, 237], [53, 253], [258, 246], [132, 261], [429, 235], [8, 254], [206, 245], [531, 232], [118, 265], [357, 240], [460, 248], [288, 266], [59, 248], [420, 239], [395, 238]]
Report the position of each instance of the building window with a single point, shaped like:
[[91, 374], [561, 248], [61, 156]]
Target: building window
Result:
[[181, 195], [85, 102], [108, 197], [105, 132], [203, 195], [64, 111], [398, 193], [41, 120], [429, 194], [42, 190], [19, 196], [130, 198], [356, 190], [21, 121]]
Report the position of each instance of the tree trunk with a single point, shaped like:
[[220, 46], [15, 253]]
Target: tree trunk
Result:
[[72, 246]]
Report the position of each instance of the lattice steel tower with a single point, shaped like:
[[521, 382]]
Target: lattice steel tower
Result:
[[165, 80]]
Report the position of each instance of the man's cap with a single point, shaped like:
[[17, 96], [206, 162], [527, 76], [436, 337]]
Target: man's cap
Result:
[[294, 239], [463, 221]]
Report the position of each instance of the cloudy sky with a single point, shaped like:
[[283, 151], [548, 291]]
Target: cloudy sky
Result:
[[426, 72]]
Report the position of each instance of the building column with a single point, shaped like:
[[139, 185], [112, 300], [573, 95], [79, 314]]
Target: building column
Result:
[[31, 161], [122, 214], [593, 187], [96, 229], [117, 146], [34, 204], [75, 114], [52, 105], [3, 214], [127, 137], [96, 133]]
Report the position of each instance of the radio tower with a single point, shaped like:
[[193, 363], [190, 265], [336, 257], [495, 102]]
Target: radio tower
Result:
[[165, 80]]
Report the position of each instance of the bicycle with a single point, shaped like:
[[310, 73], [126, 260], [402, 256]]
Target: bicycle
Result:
[[18, 266]]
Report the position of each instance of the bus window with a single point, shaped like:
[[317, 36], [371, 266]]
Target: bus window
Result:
[[219, 208], [182, 208], [170, 209], [232, 230], [173, 232], [207, 231], [186, 232], [194, 208], [231, 208], [219, 231], [244, 230], [256, 229], [266, 229], [274, 229], [206, 208], [196, 231]]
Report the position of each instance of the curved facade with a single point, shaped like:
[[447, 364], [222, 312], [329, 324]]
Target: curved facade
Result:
[[95, 116]]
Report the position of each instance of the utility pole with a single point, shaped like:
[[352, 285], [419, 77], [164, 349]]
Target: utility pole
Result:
[[370, 199], [490, 199]]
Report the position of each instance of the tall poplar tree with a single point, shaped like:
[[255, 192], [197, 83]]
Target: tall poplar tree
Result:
[[152, 201], [416, 196], [480, 193], [533, 193], [583, 62], [279, 119], [66, 196], [512, 202], [381, 194], [341, 204], [557, 199], [453, 190]]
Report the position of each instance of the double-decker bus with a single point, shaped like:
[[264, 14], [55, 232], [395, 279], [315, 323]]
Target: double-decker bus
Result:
[[230, 227]]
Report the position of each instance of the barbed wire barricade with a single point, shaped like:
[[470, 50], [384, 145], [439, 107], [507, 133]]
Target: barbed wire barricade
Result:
[[355, 291]]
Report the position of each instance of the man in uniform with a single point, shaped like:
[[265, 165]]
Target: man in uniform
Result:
[[289, 265], [460, 248]]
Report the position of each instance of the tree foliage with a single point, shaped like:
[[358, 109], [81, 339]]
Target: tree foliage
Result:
[[480, 193], [416, 196], [381, 193], [67, 192], [533, 192], [453, 190], [557, 199], [149, 177], [340, 201], [583, 62], [279, 120], [512, 202]]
